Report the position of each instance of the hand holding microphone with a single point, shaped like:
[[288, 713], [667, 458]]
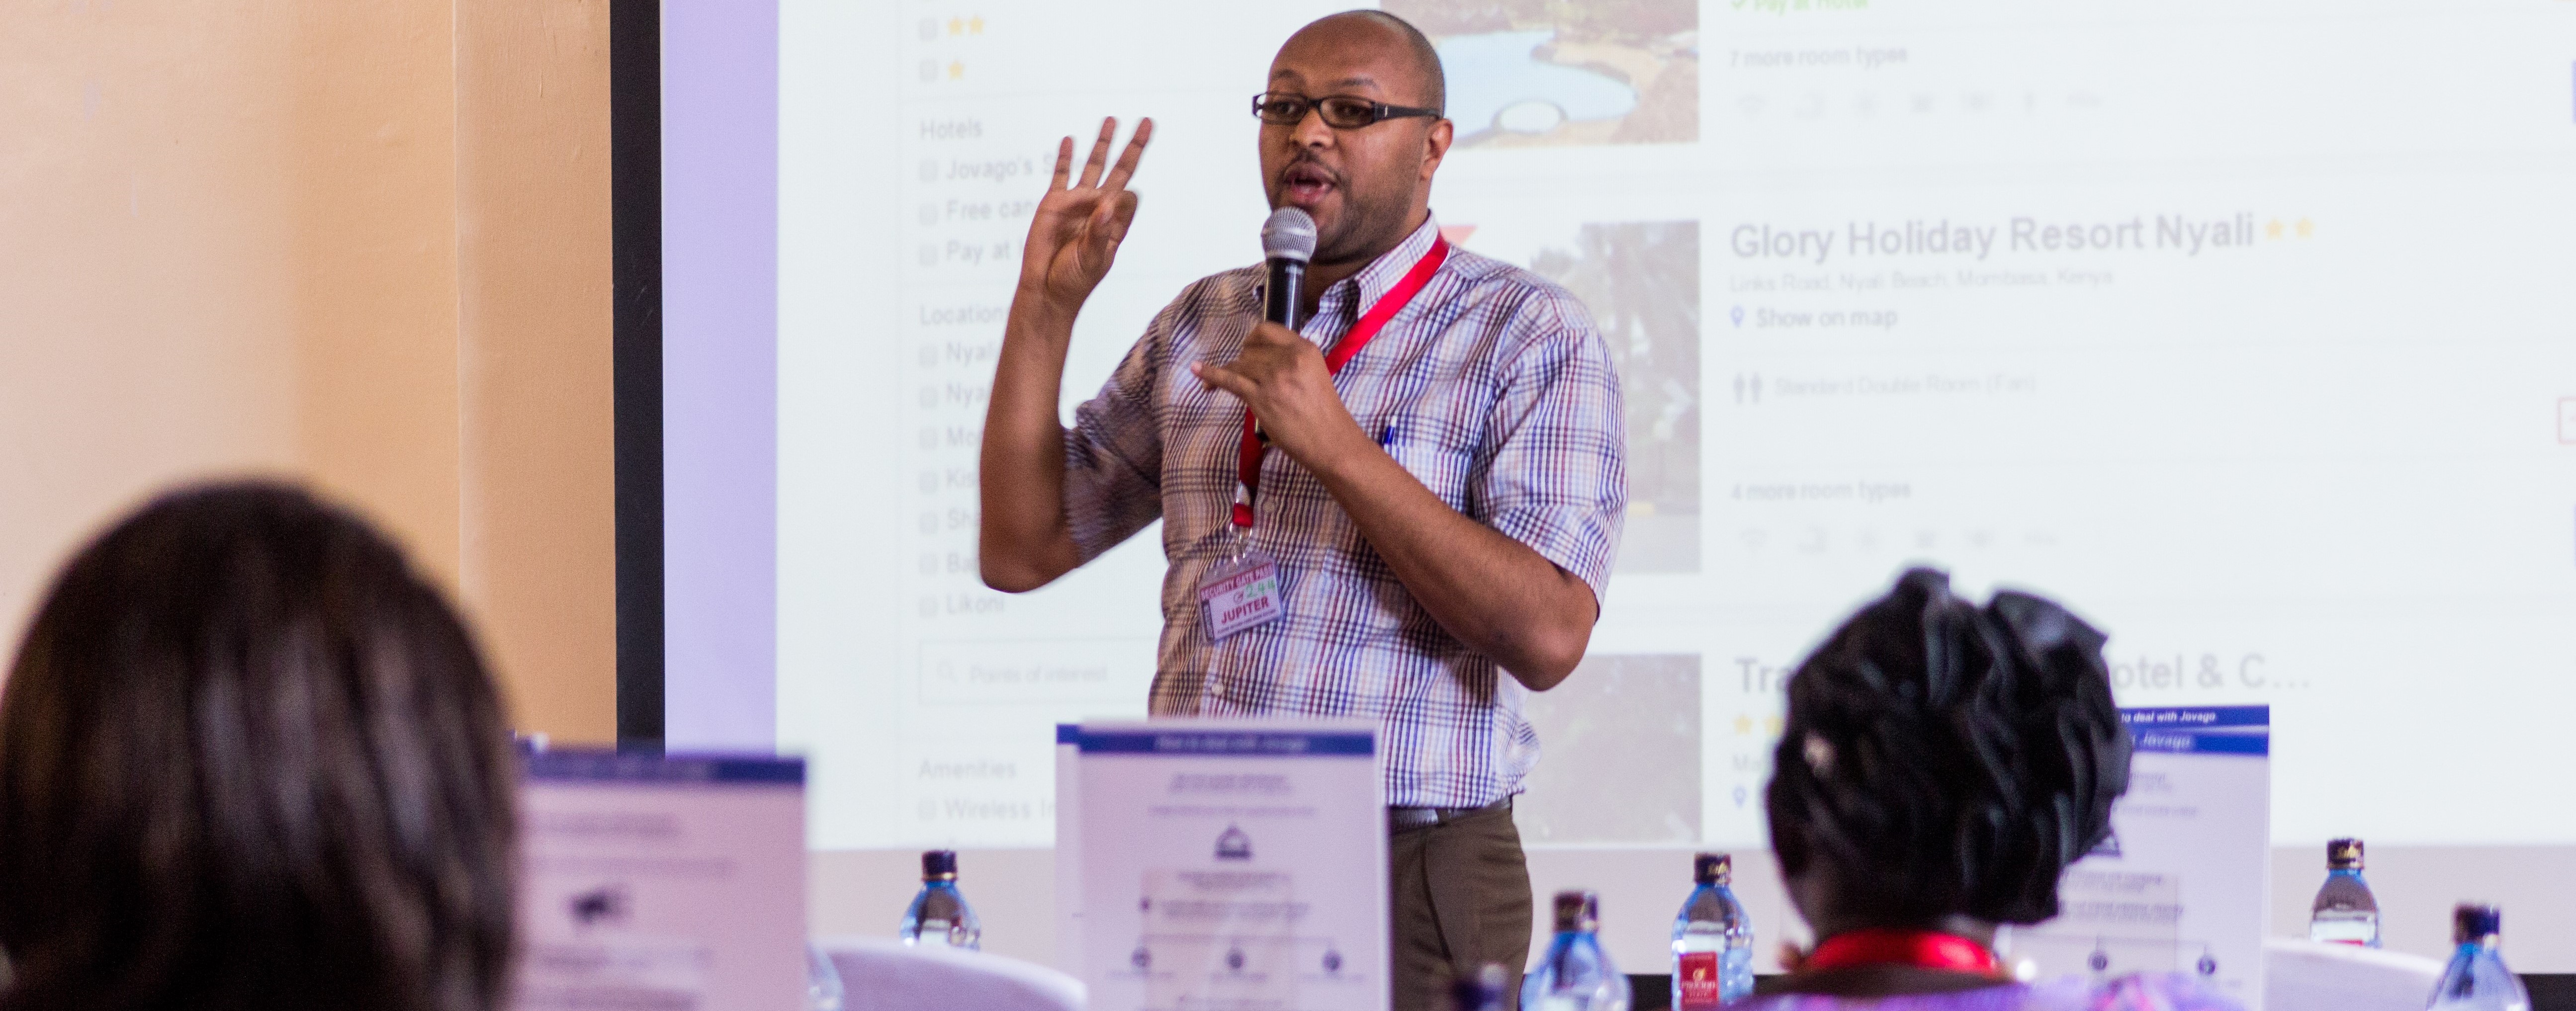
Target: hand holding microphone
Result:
[[1279, 375]]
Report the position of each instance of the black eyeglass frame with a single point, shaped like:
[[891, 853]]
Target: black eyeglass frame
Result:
[[1379, 112]]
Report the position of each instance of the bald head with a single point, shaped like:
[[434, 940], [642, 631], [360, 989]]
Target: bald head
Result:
[[1423, 83], [1367, 185]]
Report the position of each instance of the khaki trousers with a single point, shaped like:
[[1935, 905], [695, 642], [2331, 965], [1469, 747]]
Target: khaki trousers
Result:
[[1461, 899]]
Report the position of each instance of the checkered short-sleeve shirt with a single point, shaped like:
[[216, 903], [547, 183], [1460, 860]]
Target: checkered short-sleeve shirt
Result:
[[1491, 387]]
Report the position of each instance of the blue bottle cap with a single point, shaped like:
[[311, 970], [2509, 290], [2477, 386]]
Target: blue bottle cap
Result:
[[1713, 868], [2472, 923], [939, 865], [1578, 910], [2343, 855]]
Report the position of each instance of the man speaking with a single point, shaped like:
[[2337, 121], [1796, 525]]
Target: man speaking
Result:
[[1378, 514]]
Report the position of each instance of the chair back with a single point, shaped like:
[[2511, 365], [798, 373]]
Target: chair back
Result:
[[2316, 976], [884, 974]]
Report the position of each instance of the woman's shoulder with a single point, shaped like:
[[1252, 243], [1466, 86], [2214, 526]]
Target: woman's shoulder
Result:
[[2167, 992]]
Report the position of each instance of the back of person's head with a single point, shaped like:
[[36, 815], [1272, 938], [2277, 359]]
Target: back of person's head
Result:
[[250, 760], [1944, 759]]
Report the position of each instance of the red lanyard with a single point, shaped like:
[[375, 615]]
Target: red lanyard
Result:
[[1921, 948], [1247, 466]]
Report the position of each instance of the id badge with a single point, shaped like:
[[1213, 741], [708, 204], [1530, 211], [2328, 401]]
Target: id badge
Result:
[[1240, 593]]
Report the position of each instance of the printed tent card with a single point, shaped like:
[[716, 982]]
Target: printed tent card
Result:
[[659, 882], [2182, 883], [1230, 864]]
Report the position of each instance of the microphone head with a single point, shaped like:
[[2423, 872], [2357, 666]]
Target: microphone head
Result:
[[1288, 235]]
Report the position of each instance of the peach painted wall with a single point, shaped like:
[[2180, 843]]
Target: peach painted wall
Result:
[[539, 531], [253, 237]]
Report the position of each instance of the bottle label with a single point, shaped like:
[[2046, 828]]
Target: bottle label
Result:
[[1700, 986], [2344, 931]]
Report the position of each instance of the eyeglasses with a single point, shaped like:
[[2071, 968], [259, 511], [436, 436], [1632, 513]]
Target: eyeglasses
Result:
[[1341, 112]]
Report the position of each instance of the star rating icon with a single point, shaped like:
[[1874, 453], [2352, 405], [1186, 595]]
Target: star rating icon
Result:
[[956, 26], [966, 26], [1743, 725], [2275, 228], [956, 70]]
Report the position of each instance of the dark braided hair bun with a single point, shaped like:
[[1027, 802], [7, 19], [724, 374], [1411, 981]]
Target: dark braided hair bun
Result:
[[1940, 758]]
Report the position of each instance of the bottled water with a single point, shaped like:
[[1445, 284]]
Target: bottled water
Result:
[[2345, 912], [1484, 991], [1576, 975], [940, 915], [2476, 979], [1712, 940]]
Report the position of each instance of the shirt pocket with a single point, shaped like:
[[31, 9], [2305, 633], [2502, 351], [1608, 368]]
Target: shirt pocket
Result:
[[1434, 454]]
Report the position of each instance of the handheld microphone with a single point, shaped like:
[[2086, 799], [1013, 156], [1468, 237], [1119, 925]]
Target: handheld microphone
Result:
[[1288, 240]]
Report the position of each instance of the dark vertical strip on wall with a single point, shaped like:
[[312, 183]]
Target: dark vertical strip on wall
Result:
[[635, 138]]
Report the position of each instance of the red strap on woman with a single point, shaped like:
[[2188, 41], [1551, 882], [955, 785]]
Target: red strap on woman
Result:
[[1247, 467], [1924, 949]]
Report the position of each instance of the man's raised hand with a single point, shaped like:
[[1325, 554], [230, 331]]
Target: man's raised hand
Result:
[[1074, 235], [1024, 540]]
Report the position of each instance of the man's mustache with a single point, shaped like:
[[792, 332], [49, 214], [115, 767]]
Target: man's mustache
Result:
[[1309, 161]]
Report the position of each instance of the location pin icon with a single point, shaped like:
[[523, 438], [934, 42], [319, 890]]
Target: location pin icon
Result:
[[1736, 314]]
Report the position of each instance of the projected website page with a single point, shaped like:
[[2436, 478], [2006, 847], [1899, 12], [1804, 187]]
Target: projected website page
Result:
[[2243, 327]]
